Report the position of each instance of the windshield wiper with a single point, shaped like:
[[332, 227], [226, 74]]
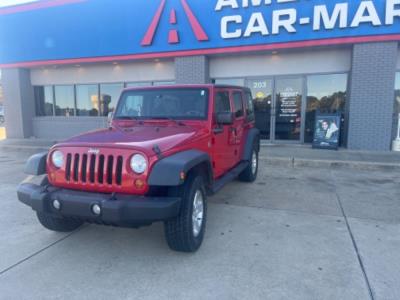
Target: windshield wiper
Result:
[[180, 123], [126, 118]]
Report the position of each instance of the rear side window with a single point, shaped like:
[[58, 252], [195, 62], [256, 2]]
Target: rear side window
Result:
[[249, 107], [238, 102], [222, 103]]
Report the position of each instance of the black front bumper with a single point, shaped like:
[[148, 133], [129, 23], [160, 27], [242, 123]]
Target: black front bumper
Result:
[[119, 210]]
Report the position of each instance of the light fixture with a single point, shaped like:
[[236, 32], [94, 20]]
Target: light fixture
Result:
[[157, 60], [57, 204], [275, 52], [96, 209], [115, 63]]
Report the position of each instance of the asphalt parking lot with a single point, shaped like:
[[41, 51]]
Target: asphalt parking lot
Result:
[[297, 233]]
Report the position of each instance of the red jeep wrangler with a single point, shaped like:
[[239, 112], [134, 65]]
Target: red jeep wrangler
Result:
[[165, 150]]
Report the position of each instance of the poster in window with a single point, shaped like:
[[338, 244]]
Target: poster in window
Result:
[[327, 131]]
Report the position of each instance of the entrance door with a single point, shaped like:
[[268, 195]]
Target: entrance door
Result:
[[262, 91], [288, 109], [278, 108]]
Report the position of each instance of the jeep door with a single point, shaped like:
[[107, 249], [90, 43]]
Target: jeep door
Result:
[[238, 125], [222, 137]]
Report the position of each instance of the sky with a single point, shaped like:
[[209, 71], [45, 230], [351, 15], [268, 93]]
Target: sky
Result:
[[4, 3]]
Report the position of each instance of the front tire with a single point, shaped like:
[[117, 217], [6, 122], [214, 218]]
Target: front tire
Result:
[[250, 173], [185, 233], [58, 224]]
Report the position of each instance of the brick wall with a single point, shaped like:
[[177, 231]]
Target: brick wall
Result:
[[371, 96], [192, 69]]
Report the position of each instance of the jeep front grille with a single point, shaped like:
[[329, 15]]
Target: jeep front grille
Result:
[[94, 169]]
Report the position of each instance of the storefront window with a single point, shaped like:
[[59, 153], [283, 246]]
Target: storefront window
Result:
[[44, 102], [65, 100], [109, 95], [87, 100], [326, 94]]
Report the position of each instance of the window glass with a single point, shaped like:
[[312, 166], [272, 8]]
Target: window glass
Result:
[[230, 81], [87, 100], [170, 103], [138, 84], [44, 104], [222, 103], [262, 91], [109, 95], [249, 107], [327, 94], [65, 100], [132, 106], [238, 103]]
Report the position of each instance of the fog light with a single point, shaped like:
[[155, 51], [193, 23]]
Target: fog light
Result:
[[96, 209], [57, 204]]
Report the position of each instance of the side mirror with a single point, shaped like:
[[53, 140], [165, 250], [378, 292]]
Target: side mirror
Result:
[[110, 117], [225, 118]]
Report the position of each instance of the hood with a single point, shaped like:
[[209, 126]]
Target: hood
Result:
[[142, 137]]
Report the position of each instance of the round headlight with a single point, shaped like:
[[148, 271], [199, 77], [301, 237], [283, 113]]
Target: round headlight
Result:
[[57, 159], [138, 163]]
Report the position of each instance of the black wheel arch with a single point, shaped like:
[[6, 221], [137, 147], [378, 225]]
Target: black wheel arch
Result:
[[36, 164], [167, 171], [252, 139]]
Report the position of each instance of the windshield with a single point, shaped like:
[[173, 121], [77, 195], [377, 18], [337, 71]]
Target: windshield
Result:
[[183, 104]]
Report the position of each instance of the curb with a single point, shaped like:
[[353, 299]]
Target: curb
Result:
[[292, 162]]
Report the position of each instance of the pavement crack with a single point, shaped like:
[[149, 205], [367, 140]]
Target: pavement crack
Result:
[[353, 240], [40, 251]]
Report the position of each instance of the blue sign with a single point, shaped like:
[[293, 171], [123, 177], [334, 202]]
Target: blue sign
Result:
[[66, 31]]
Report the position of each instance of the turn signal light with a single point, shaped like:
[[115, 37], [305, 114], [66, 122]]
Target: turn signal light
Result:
[[139, 184]]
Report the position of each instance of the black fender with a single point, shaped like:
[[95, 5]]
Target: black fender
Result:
[[36, 164], [253, 138], [167, 171]]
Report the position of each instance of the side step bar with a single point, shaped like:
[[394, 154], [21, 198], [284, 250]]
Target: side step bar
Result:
[[228, 177]]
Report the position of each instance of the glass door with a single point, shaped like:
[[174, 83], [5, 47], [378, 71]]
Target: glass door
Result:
[[288, 109], [262, 91]]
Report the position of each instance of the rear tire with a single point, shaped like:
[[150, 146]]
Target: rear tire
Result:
[[58, 224], [185, 233], [250, 173]]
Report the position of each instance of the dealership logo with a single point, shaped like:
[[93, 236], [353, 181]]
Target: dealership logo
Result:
[[173, 35]]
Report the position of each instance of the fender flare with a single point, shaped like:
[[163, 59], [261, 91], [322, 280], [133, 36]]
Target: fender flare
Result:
[[36, 164], [253, 137], [167, 171]]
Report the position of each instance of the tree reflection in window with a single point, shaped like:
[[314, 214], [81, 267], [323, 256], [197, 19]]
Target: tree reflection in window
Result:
[[327, 94]]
